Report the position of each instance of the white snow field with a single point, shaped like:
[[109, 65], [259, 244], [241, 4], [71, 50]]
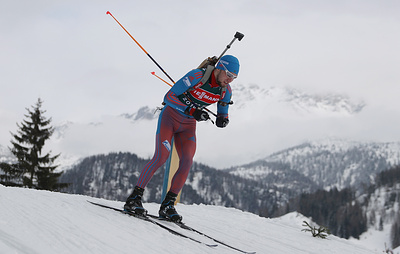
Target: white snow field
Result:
[[43, 222]]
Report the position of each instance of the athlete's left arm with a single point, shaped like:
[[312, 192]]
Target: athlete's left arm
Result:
[[222, 109], [223, 105]]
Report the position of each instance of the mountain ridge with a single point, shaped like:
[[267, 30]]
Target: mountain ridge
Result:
[[347, 163], [300, 101]]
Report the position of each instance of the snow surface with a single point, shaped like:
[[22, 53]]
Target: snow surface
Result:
[[33, 221]]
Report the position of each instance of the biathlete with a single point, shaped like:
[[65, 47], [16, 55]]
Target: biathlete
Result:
[[184, 105]]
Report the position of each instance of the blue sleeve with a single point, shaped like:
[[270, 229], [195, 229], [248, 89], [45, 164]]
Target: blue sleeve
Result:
[[223, 110], [189, 80]]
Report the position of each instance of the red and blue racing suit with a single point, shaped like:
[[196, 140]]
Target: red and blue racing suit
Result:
[[174, 123]]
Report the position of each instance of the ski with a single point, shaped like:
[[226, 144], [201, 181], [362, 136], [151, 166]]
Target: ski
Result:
[[148, 219], [184, 226]]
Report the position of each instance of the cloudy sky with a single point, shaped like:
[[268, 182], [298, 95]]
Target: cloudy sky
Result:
[[84, 66]]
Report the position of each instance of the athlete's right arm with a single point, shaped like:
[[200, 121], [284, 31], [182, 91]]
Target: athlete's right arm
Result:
[[189, 80]]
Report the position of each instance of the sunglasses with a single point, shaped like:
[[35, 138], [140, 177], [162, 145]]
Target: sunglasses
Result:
[[228, 73]]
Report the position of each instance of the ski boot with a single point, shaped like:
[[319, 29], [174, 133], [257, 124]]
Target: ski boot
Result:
[[134, 202], [167, 209]]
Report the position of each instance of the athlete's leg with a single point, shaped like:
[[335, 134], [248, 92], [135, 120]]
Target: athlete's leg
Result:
[[185, 144], [164, 134]]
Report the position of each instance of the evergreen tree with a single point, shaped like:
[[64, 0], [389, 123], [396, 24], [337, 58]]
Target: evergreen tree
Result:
[[35, 169], [10, 174], [335, 209], [395, 233]]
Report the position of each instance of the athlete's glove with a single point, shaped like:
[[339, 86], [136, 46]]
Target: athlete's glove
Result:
[[221, 122], [198, 114]]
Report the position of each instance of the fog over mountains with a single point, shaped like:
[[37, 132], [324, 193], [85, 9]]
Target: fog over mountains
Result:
[[262, 121]]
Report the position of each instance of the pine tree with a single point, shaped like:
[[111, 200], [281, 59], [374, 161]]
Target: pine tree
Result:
[[10, 174], [35, 169], [395, 233]]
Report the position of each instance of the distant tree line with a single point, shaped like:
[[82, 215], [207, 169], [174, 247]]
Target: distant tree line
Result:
[[391, 179], [395, 233], [113, 176], [336, 210], [341, 212]]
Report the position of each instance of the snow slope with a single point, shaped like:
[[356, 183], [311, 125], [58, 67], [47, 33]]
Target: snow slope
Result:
[[33, 221]]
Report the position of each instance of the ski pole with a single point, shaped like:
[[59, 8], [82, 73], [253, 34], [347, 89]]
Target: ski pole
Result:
[[237, 36], [141, 47], [154, 74]]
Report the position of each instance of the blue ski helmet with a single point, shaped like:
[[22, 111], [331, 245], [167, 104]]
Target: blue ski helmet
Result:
[[230, 63]]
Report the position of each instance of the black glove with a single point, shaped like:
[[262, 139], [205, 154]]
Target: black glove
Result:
[[198, 114], [221, 122]]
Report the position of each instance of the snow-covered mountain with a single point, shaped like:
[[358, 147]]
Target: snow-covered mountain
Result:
[[299, 101], [328, 163], [383, 207], [144, 113], [45, 222]]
